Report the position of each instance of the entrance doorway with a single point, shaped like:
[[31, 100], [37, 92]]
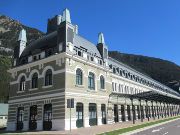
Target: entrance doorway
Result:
[[79, 115], [123, 118], [33, 117], [47, 117], [92, 114], [20, 118], [103, 112], [116, 117], [138, 112], [129, 112]]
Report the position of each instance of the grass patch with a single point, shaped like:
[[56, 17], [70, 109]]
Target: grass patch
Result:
[[128, 129]]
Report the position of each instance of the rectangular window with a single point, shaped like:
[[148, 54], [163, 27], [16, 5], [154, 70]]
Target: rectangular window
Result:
[[120, 88], [113, 86]]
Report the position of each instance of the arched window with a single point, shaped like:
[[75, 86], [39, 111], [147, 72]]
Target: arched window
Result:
[[34, 82], [102, 82], [79, 77], [22, 84], [48, 77], [91, 81]]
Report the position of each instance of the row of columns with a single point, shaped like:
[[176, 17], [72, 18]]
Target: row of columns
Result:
[[146, 111]]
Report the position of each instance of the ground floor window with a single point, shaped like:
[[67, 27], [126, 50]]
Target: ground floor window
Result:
[[142, 112], [134, 112], [116, 115], [129, 112], [123, 113], [33, 117], [149, 111], [154, 111], [20, 118], [146, 109], [92, 114], [138, 112], [103, 113], [47, 117], [79, 115]]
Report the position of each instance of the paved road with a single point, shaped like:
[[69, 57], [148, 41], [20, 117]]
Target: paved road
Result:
[[171, 128]]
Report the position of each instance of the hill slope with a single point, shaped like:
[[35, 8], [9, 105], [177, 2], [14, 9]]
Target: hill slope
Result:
[[163, 71]]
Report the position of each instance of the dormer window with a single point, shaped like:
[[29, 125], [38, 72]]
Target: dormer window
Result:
[[100, 62], [49, 52], [114, 70], [92, 59], [117, 69], [34, 58], [79, 53]]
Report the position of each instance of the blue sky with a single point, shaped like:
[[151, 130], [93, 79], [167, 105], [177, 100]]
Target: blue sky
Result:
[[145, 27]]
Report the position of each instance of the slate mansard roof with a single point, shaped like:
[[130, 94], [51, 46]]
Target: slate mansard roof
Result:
[[46, 41], [50, 40]]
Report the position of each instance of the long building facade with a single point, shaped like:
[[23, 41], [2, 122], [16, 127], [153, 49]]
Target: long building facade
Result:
[[64, 81]]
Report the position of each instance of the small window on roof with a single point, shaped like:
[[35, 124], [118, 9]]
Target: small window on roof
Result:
[[92, 58], [34, 58], [114, 70], [79, 53], [100, 62]]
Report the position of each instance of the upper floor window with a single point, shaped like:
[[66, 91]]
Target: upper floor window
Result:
[[92, 58], [22, 84], [79, 53], [34, 82], [102, 82], [91, 81], [114, 70], [48, 77], [79, 77]]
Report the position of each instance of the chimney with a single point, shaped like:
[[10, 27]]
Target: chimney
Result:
[[76, 29], [59, 19], [66, 16], [53, 23], [22, 41], [103, 49], [101, 38], [22, 35]]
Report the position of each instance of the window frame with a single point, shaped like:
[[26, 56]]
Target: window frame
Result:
[[102, 82], [47, 76], [91, 81], [22, 83], [79, 76], [36, 81]]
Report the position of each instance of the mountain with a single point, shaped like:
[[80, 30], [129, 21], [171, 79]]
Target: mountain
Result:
[[9, 31], [164, 71]]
